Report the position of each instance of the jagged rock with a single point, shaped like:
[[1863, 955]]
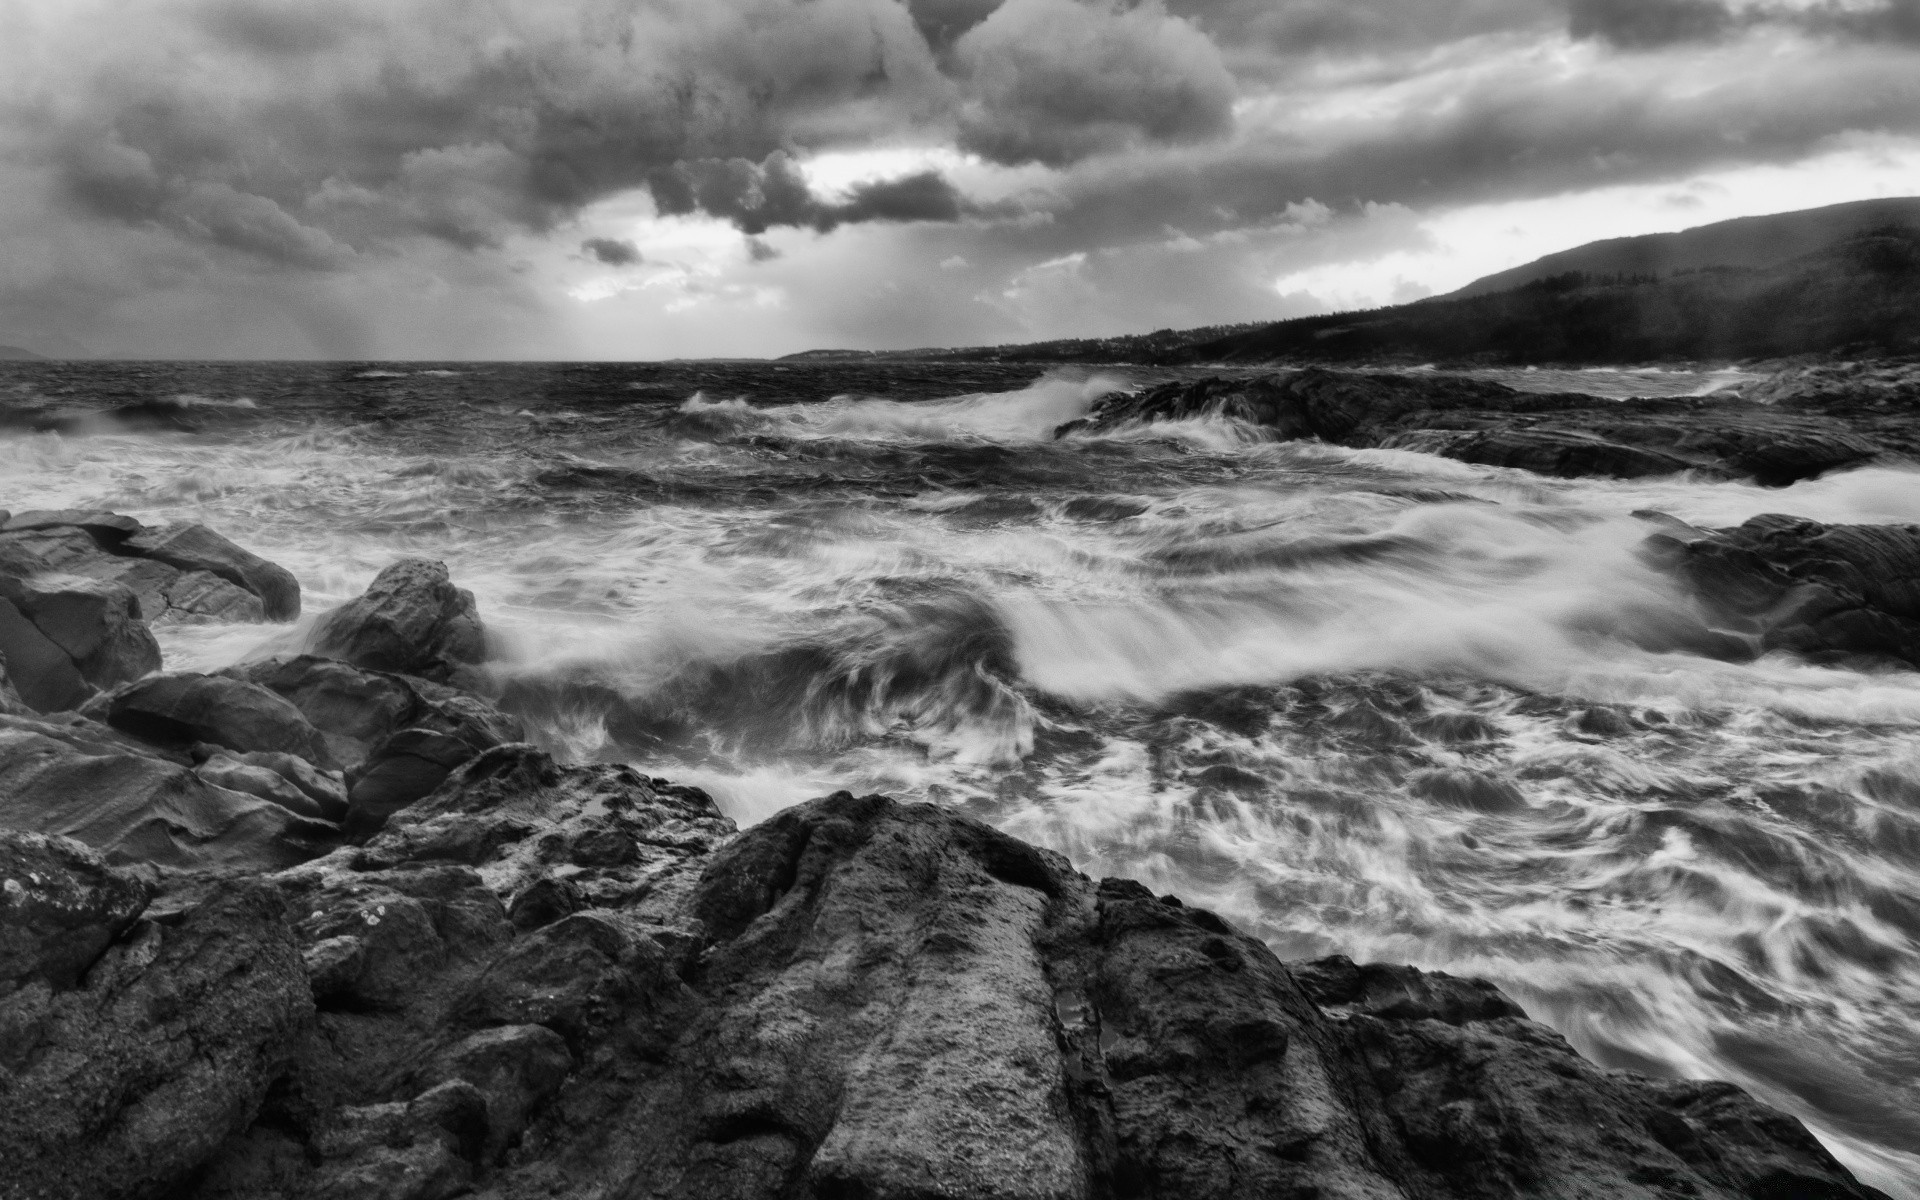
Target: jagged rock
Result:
[[94, 626], [357, 710], [517, 1068], [192, 547], [126, 1086], [1480, 421], [1826, 592], [86, 783], [184, 708], [401, 770], [61, 906], [863, 998], [411, 620]]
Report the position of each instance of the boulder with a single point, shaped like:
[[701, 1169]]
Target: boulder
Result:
[[135, 807], [1831, 593], [168, 595], [61, 906], [126, 1086], [95, 626], [104, 527], [404, 768], [411, 620], [354, 710], [861, 998], [45, 678], [191, 548], [184, 708]]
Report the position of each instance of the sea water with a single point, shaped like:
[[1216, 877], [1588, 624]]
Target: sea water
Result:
[[1359, 701]]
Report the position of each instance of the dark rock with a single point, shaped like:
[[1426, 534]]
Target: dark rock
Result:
[[141, 808], [861, 998], [406, 767], [29, 552], [182, 573], [61, 906], [168, 595], [327, 789], [516, 1067], [1566, 435], [126, 1086], [191, 547], [44, 677], [357, 710], [227, 771], [10, 701], [110, 528], [1827, 592], [96, 626], [184, 708], [411, 620], [546, 901]]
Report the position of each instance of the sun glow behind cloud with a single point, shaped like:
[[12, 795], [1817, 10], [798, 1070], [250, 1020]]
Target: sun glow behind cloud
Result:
[[612, 178]]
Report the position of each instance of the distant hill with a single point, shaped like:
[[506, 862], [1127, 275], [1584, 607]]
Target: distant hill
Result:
[[1860, 295], [19, 354], [1755, 242], [1810, 282]]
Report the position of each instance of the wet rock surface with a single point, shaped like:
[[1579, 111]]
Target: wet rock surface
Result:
[[125, 1085], [1796, 432], [579, 981], [509, 977], [1828, 593], [411, 620], [178, 573]]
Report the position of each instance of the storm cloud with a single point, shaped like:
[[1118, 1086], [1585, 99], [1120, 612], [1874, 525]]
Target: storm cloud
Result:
[[302, 165]]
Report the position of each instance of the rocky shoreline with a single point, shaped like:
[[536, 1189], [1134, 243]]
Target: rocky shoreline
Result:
[[324, 924]]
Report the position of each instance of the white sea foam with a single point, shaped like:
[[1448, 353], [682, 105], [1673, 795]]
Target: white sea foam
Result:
[[1229, 667]]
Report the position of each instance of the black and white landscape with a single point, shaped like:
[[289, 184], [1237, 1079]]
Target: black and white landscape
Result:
[[1040, 599]]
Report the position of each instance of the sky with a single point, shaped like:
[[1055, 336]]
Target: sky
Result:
[[644, 179]]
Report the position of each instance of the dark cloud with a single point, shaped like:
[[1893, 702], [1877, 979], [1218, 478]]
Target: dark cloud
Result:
[[758, 196], [1642, 23], [301, 134], [1290, 28], [1054, 81], [612, 251], [168, 165], [942, 22], [1893, 20]]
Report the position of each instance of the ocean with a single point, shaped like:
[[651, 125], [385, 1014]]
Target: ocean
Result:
[[1366, 702]]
